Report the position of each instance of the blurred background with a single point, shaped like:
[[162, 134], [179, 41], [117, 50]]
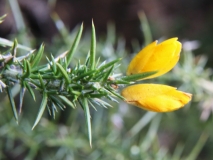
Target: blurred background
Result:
[[190, 20], [123, 132]]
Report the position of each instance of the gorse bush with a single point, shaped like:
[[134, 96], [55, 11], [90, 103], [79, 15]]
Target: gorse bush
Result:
[[91, 83]]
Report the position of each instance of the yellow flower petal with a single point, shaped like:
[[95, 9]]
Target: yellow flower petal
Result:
[[156, 57], [141, 59], [155, 97]]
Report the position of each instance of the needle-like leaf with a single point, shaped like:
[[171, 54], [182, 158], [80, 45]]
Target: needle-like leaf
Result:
[[75, 44], [64, 73], [29, 88], [93, 48], [105, 66], [27, 69], [139, 76], [88, 119], [13, 52], [41, 109], [22, 92], [12, 102], [35, 61], [67, 101]]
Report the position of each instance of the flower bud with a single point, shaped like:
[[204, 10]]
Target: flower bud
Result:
[[156, 57], [155, 97]]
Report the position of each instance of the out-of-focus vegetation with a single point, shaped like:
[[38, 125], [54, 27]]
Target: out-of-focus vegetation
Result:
[[122, 132]]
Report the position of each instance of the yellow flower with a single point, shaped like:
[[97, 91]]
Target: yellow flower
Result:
[[155, 97], [156, 57]]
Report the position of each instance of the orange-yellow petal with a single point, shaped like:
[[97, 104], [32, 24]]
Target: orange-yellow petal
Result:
[[155, 97], [156, 57]]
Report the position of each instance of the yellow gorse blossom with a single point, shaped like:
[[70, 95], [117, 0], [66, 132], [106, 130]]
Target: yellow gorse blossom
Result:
[[155, 97], [156, 57]]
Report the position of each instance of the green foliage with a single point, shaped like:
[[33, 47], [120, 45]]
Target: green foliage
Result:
[[60, 84]]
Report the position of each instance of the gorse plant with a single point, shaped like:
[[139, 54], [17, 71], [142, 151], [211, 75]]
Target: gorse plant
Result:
[[62, 83]]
